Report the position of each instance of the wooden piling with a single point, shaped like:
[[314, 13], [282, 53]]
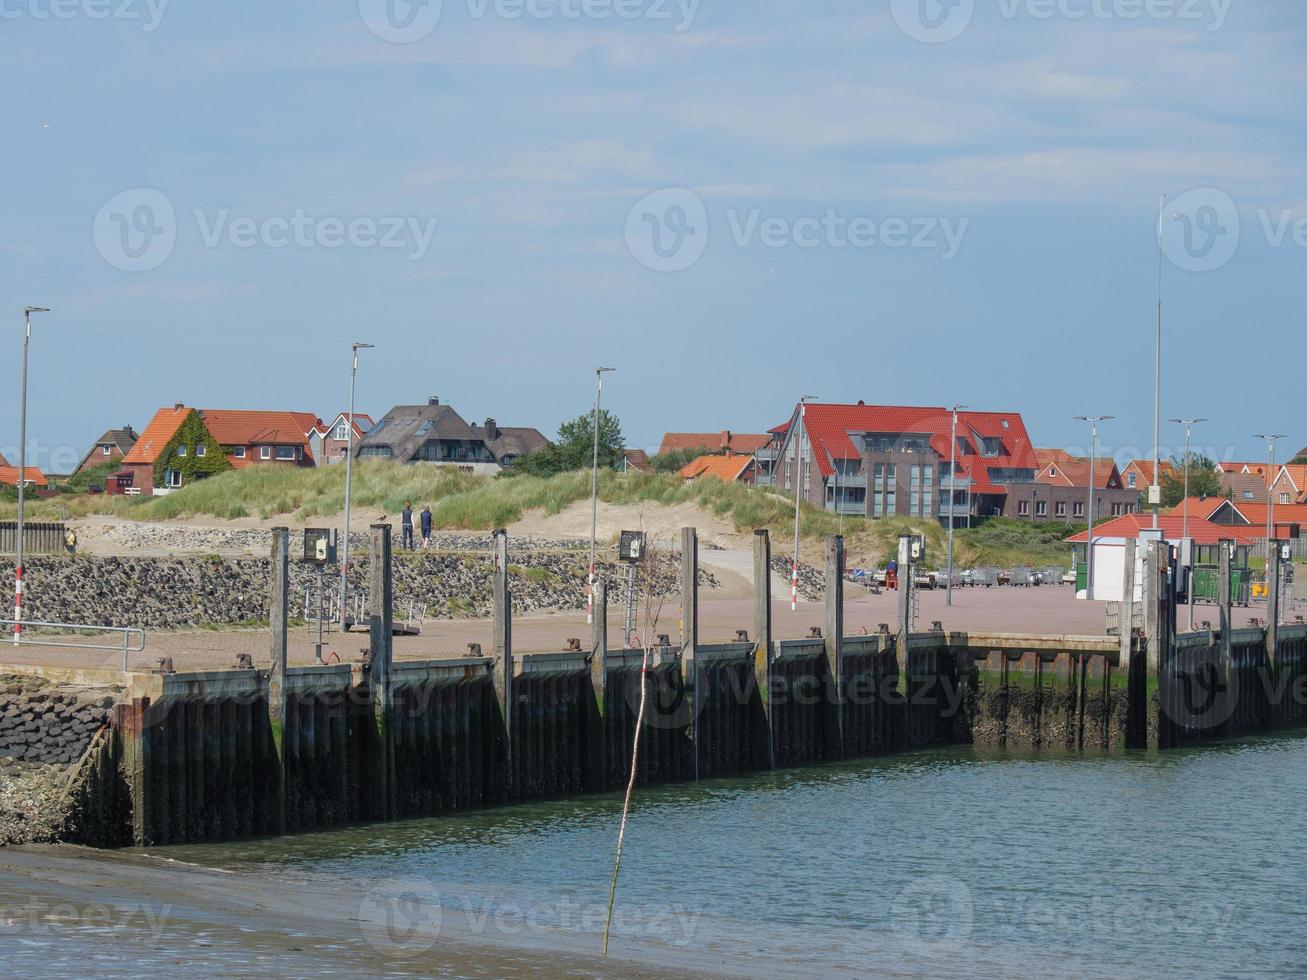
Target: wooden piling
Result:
[[278, 617], [690, 637], [762, 631], [380, 682], [503, 671], [834, 638]]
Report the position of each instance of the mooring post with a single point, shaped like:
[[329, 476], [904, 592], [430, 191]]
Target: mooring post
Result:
[[690, 630], [596, 752], [906, 583], [1154, 603], [278, 617], [1128, 605], [136, 756], [1272, 602], [762, 631], [835, 646], [1226, 600], [381, 647], [503, 652]]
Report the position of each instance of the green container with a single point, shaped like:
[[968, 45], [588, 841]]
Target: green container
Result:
[[1082, 577]]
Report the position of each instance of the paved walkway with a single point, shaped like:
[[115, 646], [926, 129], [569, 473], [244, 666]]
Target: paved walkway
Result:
[[1047, 610]]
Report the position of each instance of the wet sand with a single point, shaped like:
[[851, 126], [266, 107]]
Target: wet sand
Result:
[[69, 911]]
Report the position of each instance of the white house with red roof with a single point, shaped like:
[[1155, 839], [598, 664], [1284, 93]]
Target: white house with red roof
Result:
[[330, 442], [882, 460]]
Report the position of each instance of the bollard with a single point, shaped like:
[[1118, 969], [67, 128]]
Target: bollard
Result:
[[277, 617], [381, 650], [835, 647], [762, 629]]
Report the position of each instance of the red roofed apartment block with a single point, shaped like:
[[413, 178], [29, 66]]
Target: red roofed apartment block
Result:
[[881, 460]]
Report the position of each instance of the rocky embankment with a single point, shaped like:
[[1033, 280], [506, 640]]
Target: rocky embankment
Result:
[[812, 581], [179, 592], [180, 539], [44, 731]]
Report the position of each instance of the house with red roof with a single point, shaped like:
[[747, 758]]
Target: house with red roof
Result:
[[882, 460], [713, 442], [1065, 481], [182, 445], [1138, 473], [33, 477]]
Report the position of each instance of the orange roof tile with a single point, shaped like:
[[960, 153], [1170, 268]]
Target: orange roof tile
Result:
[[157, 434], [739, 442], [728, 469], [9, 476]]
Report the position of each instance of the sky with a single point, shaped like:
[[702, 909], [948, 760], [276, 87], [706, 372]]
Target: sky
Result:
[[920, 202]]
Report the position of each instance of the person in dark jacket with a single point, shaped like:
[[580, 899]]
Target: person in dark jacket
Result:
[[406, 524], [425, 518]]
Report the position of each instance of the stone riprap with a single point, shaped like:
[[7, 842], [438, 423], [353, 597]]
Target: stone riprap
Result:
[[179, 592], [812, 581], [45, 729], [181, 539]]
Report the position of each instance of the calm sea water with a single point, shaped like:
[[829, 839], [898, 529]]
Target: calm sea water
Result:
[[948, 862]]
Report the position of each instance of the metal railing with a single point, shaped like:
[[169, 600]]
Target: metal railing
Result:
[[25, 639]]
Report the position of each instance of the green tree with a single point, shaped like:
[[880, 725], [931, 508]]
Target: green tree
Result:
[[1203, 480], [574, 447], [676, 460]]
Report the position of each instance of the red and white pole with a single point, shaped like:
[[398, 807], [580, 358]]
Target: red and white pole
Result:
[[18, 604], [794, 586]]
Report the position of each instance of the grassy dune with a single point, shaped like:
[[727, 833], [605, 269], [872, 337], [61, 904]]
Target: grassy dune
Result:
[[462, 502]]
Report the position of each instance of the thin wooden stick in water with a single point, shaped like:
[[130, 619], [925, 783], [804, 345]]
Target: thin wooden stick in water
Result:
[[630, 787]]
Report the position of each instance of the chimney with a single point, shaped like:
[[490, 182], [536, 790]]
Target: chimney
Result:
[[492, 429], [433, 400], [726, 439], [178, 406]]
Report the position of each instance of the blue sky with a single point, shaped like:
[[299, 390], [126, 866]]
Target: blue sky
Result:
[[893, 200]]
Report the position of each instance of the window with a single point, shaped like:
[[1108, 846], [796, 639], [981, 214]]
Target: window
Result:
[[375, 452], [1060, 509], [172, 479], [425, 427], [1079, 509], [1052, 471], [342, 432], [1006, 425], [1118, 510], [287, 452], [238, 452], [1041, 508], [201, 451], [181, 450], [1284, 498], [265, 452], [1132, 481], [1023, 508], [991, 446], [106, 450]]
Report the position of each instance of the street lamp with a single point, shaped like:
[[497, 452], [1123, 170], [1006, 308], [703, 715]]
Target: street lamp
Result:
[[594, 492], [1271, 440], [952, 482], [22, 473], [798, 496], [1188, 426], [349, 476], [1155, 491], [1093, 421]]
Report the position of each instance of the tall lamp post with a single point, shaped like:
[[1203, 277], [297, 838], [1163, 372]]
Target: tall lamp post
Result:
[[1093, 421], [22, 472], [1271, 440], [1188, 427], [594, 493], [798, 496], [349, 478], [952, 483]]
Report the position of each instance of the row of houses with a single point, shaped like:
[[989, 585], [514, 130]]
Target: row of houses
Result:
[[182, 444], [881, 461]]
